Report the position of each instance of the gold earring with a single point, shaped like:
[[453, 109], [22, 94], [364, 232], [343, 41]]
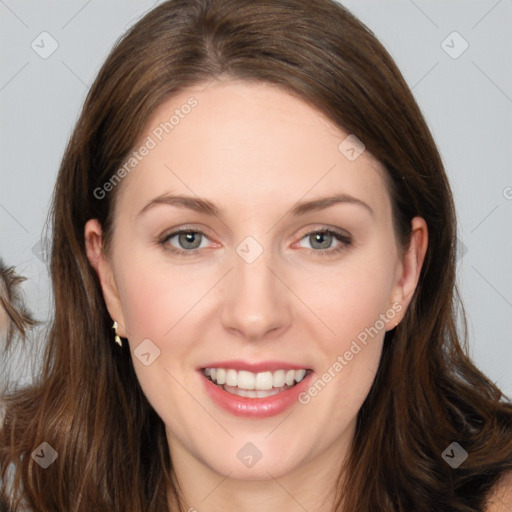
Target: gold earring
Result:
[[117, 338]]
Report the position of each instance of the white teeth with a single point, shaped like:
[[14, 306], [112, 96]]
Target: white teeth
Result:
[[231, 378], [221, 376], [245, 380], [278, 379], [299, 375], [262, 381], [253, 393], [289, 379]]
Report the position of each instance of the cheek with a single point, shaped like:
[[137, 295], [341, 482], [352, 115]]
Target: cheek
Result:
[[159, 302], [155, 296], [353, 301], [348, 296], [353, 296]]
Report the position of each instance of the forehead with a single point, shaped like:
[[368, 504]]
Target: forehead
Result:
[[250, 144]]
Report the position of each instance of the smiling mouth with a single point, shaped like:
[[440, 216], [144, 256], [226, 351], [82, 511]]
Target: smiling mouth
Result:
[[254, 385]]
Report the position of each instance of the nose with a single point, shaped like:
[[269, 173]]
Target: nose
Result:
[[256, 301]]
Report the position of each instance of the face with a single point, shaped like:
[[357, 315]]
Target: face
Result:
[[270, 283]]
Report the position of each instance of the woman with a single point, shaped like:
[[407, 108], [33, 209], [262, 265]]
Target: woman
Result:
[[253, 267]]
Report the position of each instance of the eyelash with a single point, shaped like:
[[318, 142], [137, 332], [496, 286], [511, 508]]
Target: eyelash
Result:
[[344, 239]]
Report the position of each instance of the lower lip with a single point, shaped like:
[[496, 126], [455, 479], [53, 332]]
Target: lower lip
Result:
[[255, 407]]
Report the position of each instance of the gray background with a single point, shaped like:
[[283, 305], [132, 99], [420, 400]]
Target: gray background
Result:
[[467, 102]]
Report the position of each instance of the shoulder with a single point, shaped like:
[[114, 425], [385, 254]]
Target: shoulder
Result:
[[500, 498]]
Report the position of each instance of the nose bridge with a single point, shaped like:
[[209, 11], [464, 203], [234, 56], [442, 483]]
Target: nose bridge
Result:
[[255, 301]]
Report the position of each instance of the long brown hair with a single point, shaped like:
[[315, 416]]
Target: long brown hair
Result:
[[19, 320], [87, 403]]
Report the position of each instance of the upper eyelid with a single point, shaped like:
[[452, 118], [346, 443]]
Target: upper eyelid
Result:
[[308, 231], [322, 228]]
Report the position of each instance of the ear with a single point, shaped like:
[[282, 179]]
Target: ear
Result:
[[103, 267], [409, 269]]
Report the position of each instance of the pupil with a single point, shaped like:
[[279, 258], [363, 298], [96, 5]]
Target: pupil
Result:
[[322, 237], [188, 238]]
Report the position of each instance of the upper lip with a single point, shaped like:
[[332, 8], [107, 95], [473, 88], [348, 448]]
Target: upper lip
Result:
[[255, 367]]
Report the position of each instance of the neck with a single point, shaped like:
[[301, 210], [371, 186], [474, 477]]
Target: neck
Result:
[[312, 486]]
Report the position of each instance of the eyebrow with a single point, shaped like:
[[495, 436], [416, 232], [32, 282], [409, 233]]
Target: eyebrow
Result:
[[205, 206]]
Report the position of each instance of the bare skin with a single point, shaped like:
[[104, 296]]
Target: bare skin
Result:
[[255, 151]]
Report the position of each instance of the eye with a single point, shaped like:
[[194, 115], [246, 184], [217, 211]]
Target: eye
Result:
[[321, 241], [188, 241]]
